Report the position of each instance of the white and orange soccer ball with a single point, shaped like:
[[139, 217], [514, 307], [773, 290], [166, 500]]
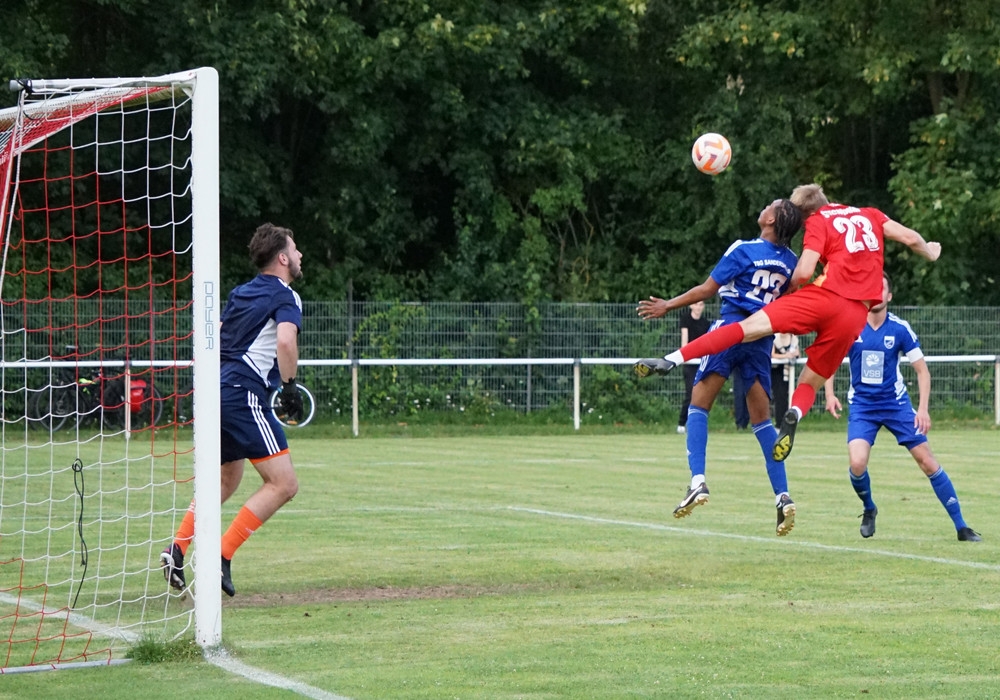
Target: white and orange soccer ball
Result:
[[711, 153]]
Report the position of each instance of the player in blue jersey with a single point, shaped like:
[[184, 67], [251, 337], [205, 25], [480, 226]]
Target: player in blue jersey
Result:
[[749, 275], [878, 398], [259, 352]]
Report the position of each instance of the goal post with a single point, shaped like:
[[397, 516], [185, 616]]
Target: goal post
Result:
[[109, 311], [207, 308]]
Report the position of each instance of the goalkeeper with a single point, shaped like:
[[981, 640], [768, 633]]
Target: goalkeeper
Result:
[[259, 350]]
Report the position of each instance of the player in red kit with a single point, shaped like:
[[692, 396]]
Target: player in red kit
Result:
[[848, 242]]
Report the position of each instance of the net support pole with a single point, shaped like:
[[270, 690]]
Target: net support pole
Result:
[[127, 408], [207, 307]]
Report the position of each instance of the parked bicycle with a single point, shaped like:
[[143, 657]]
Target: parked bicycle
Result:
[[90, 395]]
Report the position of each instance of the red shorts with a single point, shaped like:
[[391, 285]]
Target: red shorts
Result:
[[837, 321]]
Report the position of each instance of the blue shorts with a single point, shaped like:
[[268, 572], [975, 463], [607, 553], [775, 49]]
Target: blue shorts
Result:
[[864, 424], [250, 430], [752, 360]]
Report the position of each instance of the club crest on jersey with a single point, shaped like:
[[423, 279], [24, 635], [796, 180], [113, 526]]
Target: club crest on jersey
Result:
[[889, 341]]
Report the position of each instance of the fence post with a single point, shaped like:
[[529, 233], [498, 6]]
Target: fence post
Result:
[[791, 364], [996, 391], [354, 397], [527, 398], [576, 393]]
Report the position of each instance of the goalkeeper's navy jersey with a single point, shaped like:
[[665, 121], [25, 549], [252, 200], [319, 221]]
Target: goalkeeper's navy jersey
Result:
[[249, 333], [876, 382], [752, 274]]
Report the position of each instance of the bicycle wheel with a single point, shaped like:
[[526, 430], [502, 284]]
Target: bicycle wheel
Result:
[[308, 409], [53, 408]]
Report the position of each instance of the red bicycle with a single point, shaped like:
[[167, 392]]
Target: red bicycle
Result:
[[79, 396]]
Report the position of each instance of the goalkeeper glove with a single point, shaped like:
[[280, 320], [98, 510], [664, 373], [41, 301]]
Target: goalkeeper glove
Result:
[[290, 400]]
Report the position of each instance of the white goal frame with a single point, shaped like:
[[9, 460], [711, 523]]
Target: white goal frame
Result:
[[202, 87]]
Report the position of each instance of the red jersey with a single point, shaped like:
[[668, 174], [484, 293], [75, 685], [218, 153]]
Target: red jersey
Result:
[[851, 249]]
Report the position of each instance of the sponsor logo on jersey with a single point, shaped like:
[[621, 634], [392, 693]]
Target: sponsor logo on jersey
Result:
[[872, 366]]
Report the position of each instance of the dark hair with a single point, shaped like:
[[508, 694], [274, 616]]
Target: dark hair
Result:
[[885, 276], [787, 221], [267, 242]]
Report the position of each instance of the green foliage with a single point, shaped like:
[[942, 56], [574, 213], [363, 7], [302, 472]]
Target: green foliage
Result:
[[948, 185], [537, 150]]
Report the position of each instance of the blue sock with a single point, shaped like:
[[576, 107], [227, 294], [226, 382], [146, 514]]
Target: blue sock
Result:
[[946, 494], [766, 436], [697, 439], [863, 487]]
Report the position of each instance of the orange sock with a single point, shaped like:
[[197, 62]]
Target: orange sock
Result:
[[244, 524], [185, 533]]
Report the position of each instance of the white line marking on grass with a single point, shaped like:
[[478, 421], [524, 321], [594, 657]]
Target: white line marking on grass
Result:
[[753, 538], [222, 659], [216, 657]]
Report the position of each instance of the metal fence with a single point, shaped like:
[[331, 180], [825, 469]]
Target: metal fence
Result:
[[608, 392], [595, 333]]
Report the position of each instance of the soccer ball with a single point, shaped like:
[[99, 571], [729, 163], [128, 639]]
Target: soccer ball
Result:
[[711, 153]]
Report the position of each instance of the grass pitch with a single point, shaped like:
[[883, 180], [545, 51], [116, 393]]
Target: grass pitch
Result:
[[550, 567]]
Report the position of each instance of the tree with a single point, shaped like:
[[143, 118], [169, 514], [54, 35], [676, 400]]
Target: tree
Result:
[[538, 149], [856, 80]]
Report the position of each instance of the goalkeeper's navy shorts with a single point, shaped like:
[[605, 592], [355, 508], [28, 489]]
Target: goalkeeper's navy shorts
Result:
[[250, 430]]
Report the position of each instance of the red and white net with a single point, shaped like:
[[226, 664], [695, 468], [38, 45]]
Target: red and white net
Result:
[[95, 334]]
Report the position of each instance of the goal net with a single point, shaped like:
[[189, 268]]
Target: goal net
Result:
[[108, 298]]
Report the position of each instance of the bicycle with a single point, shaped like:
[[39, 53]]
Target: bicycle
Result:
[[88, 395], [185, 408]]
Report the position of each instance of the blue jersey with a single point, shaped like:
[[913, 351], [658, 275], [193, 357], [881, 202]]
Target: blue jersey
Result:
[[876, 382], [752, 274], [249, 333]]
